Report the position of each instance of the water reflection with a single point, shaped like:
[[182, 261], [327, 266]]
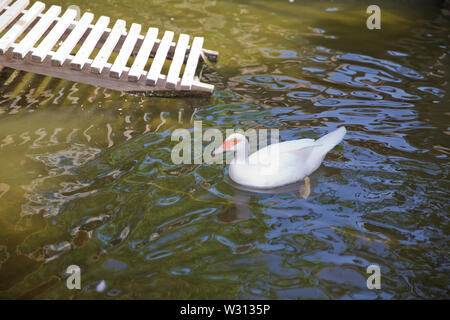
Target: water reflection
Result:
[[86, 176]]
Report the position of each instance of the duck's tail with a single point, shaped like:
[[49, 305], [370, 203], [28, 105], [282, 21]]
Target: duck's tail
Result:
[[330, 140]]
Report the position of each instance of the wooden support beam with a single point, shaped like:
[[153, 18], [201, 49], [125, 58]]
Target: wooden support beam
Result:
[[77, 66]]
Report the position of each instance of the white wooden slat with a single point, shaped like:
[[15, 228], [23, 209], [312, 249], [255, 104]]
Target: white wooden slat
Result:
[[53, 36], [63, 52], [177, 61], [103, 55], [89, 44], [191, 64], [125, 52], [4, 3], [12, 12], [200, 86], [20, 26], [160, 58], [22, 49], [144, 52]]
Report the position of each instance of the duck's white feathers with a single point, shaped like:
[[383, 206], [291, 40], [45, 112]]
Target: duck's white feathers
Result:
[[284, 163]]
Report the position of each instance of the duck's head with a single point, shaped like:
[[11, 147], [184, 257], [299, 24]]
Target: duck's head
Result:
[[234, 142]]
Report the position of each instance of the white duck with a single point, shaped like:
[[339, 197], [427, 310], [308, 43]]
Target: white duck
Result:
[[280, 163]]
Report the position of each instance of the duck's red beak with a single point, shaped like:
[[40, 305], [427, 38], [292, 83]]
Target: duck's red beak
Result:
[[226, 145]]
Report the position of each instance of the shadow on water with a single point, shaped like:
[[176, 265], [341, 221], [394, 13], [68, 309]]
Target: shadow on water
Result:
[[241, 196]]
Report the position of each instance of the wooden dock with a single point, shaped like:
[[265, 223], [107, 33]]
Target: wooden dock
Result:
[[61, 46]]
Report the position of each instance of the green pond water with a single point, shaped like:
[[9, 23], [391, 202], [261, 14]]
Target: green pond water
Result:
[[86, 176]]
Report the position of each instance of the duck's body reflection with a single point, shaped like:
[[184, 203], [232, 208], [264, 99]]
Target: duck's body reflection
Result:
[[241, 210]]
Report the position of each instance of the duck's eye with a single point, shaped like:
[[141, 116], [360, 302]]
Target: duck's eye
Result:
[[235, 141]]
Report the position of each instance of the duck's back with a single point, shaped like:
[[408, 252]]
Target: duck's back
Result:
[[271, 152]]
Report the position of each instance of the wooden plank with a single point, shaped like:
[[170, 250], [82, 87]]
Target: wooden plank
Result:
[[191, 64], [160, 58], [12, 12], [101, 80], [19, 27], [53, 36], [103, 55], [177, 61], [62, 53], [210, 54], [4, 3], [89, 44], [22, 49], [125, 52], [143, 54], [126, 44]]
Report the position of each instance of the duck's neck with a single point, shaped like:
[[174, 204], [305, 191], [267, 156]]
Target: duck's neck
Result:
[[241, 154]]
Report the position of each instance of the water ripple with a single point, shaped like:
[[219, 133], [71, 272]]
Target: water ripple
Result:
[[86, 172]]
